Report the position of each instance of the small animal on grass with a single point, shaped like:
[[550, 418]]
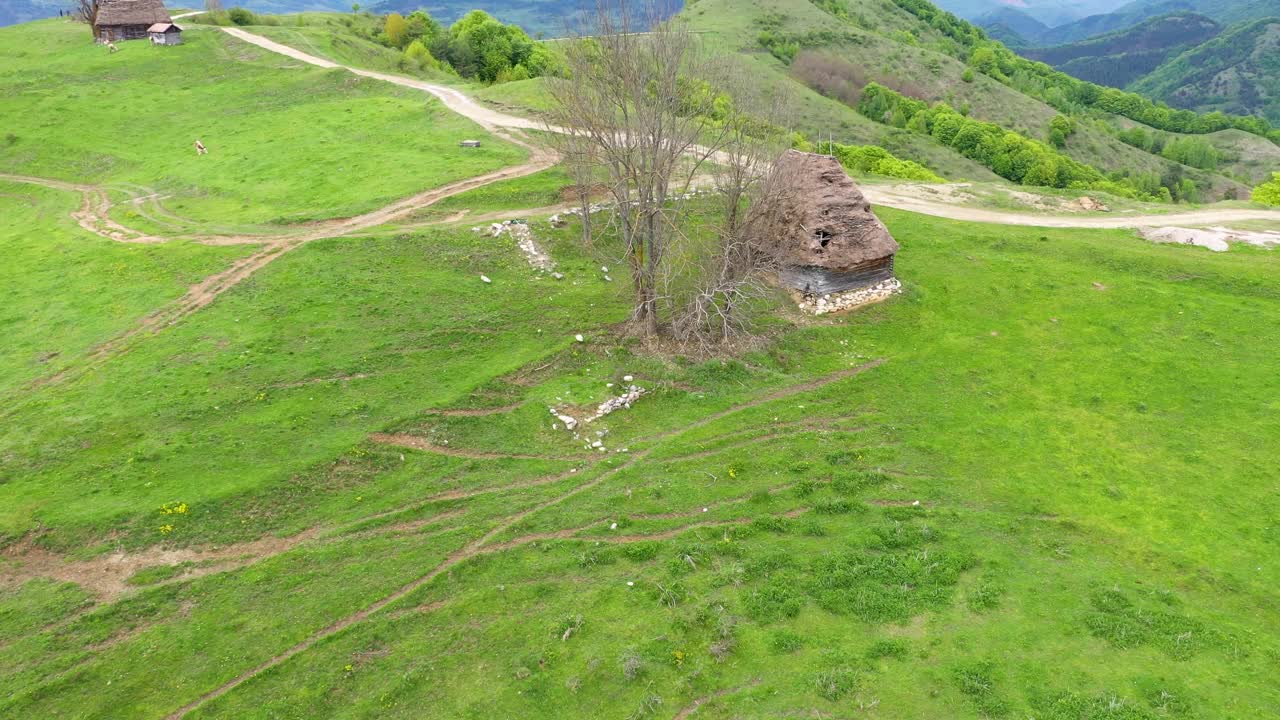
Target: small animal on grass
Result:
[[201, 149], [111, 47]]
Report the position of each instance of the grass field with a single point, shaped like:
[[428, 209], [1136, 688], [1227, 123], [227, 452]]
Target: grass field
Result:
[[1091, 532], [1039, 483], [288, 143]]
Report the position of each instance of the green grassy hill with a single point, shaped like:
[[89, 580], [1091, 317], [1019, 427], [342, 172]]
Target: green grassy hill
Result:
[[885, 44], [287, 144], [1035, 484]]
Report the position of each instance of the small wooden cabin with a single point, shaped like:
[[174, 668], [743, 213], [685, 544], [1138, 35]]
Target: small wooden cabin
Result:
[[128, 19], [165, 34], [831, 241]]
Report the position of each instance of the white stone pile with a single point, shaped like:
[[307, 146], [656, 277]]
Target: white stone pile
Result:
[[618, 402], [523, 236], [815, 304]]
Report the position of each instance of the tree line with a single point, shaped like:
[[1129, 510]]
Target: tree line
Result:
[[477, 46], [1008, 154], [1066, 93]]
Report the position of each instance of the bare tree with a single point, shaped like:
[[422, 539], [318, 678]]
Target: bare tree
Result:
[[731, 269], [213, 7], [86, 11], [580, 160], [638, 100]]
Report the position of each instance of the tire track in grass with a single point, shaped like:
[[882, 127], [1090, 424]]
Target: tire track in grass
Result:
[[203, 293], [481, 545], [692, 707], [417, 442]]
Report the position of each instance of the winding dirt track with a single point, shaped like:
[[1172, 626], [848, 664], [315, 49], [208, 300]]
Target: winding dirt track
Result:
[[492, 119], [889, 198], [92, 215]]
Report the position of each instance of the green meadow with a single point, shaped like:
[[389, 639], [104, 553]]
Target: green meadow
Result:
[[1038, 483], [287, 143], [1078, 414]]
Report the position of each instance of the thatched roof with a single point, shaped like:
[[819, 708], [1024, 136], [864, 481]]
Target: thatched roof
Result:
[[132, 12], [163, 27], [825, 220]]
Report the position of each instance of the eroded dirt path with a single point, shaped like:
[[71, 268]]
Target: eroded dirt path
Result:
[[453, 99]]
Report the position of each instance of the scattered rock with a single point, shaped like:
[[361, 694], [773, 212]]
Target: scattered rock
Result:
[[579, 338], [485, 278]]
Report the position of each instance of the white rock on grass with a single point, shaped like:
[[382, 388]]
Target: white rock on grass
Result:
[[485, 278], [579, 338]]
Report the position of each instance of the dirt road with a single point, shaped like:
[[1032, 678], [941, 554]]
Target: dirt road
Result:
[[889, 197], [452, 99], [463, 105]]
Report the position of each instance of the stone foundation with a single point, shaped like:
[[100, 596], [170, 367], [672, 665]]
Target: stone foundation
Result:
[[815, 304]]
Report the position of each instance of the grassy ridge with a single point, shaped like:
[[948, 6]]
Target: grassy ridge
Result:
[[287, 143]]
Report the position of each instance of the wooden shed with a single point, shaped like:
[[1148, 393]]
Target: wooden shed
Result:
[[165, 34], [831, 241], [128, 19]]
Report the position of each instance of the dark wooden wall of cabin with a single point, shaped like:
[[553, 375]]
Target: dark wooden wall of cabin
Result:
[[820, 280], [122, 32]]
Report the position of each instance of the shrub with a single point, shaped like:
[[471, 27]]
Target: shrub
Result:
[[418, 53], [786, 641], [967, 75], [1268, 193], [640, 551], [780, 597], [836, 682], [977, 682], [986, 596], [632, 665], [240, 16], [896, 649]]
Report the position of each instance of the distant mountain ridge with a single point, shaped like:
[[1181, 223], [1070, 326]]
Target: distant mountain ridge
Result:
[[1236, 72], [1117, 59], [1048, 12], [13, 12], [1224, 12]]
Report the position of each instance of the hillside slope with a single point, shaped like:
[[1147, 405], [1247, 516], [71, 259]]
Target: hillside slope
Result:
[[1238, 72], [883, 43], [1119, 58]]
